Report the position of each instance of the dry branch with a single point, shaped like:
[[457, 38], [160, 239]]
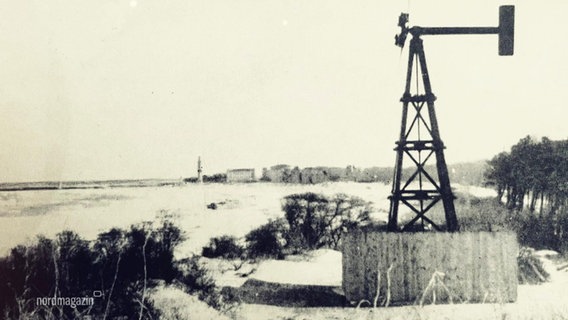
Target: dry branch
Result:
[[387, 302], [145, 277], [113, 283], [378, 288]]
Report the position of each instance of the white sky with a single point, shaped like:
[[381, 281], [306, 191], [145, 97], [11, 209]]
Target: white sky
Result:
[[138, 89]]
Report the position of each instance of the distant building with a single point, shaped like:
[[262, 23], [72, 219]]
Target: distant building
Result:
[[240, 175], [277, 173]]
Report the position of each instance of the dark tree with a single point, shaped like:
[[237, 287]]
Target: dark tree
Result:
[[532, 179]]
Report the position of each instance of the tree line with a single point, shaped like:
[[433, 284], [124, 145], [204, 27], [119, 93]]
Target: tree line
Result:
[[532, 181], [533, 175]]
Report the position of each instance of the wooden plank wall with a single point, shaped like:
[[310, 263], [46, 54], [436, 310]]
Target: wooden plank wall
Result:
[[477, 266]]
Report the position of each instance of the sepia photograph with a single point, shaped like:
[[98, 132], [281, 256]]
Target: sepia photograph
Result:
[[283, 159]]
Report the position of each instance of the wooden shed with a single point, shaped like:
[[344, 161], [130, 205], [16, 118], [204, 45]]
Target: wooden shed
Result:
[[430, 266]]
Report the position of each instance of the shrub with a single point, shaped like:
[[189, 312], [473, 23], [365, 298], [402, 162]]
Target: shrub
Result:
[[123, 265], [195, 278], [316, 221], [73, 256], [224, 247], [212, 206], [218, 178], [267, 241], [536, 232], [305, 214], [531, 270], [27, 272], [477, 214], [540, 231], [196, 281], [311, 221]]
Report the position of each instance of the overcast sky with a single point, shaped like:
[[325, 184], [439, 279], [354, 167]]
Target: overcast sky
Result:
[[139, 89]]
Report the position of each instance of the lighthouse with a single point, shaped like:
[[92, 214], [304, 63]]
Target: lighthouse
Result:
[[199, 169]]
